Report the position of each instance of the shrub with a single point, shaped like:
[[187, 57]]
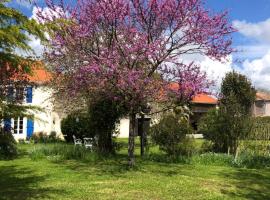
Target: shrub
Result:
[[225, 128], [210, 125], [53, 136], [170, 134], [8, 147], [211, 158], [41, 137], [77, 124], [245, 159]]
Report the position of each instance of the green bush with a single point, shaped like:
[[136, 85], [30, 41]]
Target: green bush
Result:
[[41, 137], [210, 125], [8, 147], [224, 131], [170, 134], [77, 124], [210, 158], [227, 126]]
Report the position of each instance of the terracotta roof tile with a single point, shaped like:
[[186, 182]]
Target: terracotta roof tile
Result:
[[199, 98], [40, 76], [205, 99], [263, 96]]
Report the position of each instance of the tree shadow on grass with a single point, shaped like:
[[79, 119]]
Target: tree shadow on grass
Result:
[[250, 184], [114, 166], [22, 184], [117, 166]]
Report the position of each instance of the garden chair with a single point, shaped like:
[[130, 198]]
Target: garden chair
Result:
[[88, 143], [77, 141]]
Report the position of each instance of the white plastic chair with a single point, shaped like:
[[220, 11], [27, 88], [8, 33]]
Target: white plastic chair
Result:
[[77, 141], [88, 143]]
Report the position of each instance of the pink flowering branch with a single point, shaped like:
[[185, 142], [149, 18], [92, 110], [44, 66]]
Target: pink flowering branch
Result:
[[129, 50]]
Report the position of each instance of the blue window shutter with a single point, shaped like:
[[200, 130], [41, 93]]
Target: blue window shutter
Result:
[[7, 125], [30, 128], [29, 94]]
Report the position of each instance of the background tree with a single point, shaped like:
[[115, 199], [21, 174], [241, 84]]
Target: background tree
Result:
[[237, 86], [237, 98], [130, 51], [15, 32], [231, 123]]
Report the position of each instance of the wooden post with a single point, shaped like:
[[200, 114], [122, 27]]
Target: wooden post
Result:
[[142, 135], [131, 140]]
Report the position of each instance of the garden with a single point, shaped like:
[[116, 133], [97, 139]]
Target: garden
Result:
[[59, 171], [126, 59]]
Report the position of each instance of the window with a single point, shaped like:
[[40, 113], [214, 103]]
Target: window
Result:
[[15, 93], [20, 94], [18, 125]]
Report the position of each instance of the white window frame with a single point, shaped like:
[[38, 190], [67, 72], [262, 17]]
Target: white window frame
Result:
[[16, 130]]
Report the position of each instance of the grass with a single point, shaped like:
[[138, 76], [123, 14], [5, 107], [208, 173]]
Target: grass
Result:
[[44, 177]]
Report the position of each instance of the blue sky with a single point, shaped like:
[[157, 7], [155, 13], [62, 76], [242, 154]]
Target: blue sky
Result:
[[242, 10], [250, 17]]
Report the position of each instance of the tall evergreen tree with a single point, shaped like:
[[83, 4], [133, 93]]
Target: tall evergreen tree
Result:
[[16, 31]]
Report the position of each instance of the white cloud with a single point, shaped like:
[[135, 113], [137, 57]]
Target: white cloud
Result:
[[258, 70], [259, 31], [216, 70], [36, 45], [257, 66]]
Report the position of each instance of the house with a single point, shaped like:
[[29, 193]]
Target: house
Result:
[[48, 119], [200, 104], [38, 94], [261, 106]]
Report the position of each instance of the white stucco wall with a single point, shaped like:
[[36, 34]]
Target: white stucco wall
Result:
[[46, 120], [123, 128], [267, 109]]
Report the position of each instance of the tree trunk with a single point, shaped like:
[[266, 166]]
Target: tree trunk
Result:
[[228, 151], [105, 143], [236, 154], [236, 150], [131, 140]]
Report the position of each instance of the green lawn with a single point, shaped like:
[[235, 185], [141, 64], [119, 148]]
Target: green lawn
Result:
[[24, 178]]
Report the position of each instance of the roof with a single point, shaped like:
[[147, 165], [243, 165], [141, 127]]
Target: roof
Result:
[[263, 96], [38, 74], [204, 99]]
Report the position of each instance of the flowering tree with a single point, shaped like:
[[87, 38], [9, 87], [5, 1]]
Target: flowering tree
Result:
[[131, 50]]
